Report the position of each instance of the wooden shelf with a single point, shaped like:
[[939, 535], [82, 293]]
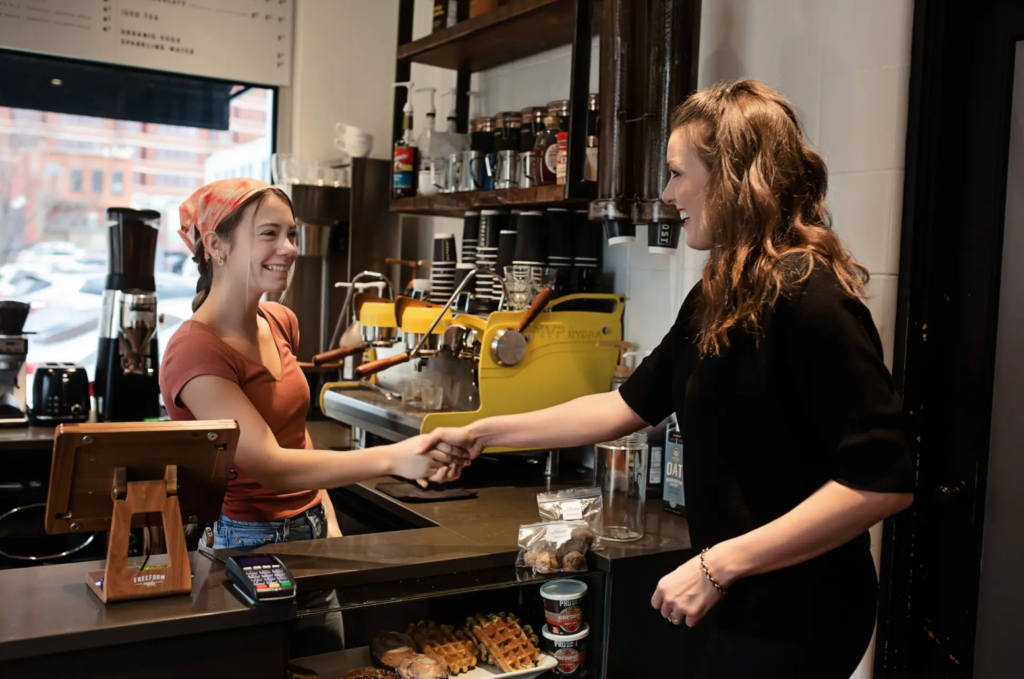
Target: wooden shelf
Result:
[[454, 204], [514, 31]]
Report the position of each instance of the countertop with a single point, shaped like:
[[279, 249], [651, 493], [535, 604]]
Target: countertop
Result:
[[26, 438], [49, 609], [461, 545]]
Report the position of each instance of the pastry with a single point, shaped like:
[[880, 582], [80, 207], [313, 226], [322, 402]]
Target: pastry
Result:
[[581, 540], [509, 646], [296, 672], [583, 535], [391, 648], [370, 673], [530, 556], [574, 561], [547, 562], [442, 642], [422, 667]]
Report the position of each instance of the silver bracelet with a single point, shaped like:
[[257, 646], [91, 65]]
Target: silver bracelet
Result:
[[721, 590]]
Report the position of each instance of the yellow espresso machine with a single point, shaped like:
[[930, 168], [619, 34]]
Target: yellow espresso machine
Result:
[[510, 362]]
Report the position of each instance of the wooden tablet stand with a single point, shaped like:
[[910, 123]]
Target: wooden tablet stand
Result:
[[119, 476]]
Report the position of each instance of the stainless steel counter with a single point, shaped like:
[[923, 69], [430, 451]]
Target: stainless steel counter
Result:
[[372, 411]]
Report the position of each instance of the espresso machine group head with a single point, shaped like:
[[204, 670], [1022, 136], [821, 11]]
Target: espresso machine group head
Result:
[[127, 383], [13, 350]]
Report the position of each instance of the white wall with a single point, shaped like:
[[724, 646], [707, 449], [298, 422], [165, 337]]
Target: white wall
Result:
[[344, 58]]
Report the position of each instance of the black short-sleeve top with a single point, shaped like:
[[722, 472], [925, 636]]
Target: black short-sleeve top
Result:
[[776, 417]]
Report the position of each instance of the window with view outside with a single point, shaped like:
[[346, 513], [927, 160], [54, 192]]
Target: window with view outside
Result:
[[59, 174]]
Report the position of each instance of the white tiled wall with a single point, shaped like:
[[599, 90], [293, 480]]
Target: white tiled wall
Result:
[[844, 63]]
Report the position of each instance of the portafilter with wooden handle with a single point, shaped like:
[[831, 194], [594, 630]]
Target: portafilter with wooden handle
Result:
[[373, 367], [509, 345], [341, 353]]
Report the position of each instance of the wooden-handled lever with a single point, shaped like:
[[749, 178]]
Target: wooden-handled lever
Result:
[[373, 367], [337, 354], [538, 305]]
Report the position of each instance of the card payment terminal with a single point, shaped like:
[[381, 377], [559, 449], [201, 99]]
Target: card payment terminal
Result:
[[260, 577]]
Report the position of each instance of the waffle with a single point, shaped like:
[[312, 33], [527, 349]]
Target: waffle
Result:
[[442, 642], [508, 645]]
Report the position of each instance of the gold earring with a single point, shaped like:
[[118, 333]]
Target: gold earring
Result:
[[220, 261]]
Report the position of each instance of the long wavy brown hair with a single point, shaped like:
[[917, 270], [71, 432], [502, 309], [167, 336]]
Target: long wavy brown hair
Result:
[[764, 204]]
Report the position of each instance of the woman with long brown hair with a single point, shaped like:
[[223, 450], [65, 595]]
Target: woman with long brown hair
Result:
[[793, 430]]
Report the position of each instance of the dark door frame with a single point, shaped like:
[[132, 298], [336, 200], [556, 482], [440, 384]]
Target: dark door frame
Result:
[[953, 209]]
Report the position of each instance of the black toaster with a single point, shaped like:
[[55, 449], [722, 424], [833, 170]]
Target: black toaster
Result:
[[60, 394]]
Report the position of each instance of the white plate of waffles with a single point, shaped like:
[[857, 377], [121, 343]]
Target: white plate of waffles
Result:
[[544, 663], [505, 648]]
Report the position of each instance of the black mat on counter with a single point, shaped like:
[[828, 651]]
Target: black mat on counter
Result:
[[410, 492]]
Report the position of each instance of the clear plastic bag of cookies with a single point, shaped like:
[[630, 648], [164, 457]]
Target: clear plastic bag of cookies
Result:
[[555, 546], [574, 504]]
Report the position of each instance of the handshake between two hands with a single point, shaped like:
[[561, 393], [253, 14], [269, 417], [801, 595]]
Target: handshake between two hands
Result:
[[439, 456]]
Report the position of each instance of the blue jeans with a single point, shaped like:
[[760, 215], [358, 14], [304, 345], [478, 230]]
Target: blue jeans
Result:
[[314, 634], [310, 525]]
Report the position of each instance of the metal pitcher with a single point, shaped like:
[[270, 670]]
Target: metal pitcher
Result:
[[506, 170], [470, 175], [527, 165]]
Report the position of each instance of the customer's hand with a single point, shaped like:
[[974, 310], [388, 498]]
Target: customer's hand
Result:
[[685, 595], [409, 460], [458, 437]]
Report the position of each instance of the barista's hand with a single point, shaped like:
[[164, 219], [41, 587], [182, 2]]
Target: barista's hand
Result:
[[461, 438]]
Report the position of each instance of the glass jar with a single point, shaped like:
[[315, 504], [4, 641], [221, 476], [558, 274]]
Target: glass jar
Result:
[[533, 125], [506, 131], [560, 111], [481, 136], [621, 474]]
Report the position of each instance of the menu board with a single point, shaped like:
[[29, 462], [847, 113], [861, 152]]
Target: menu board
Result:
[[247, 41]]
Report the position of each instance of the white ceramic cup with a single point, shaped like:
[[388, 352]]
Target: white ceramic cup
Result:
[[354, 141]]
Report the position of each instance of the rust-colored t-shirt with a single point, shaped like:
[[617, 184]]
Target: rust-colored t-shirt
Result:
[[195, 350]]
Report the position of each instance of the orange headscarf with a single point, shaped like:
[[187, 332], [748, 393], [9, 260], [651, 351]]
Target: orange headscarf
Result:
[[205, 208]]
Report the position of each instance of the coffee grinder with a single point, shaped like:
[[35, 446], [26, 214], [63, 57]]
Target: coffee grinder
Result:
[[13, 350], [126, 383]]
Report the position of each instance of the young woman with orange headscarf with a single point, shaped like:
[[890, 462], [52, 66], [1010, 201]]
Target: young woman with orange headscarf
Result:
[[235, 360]]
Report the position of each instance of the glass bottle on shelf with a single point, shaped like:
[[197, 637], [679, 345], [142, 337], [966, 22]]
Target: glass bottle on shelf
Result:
[[593, 132], [546, 156]]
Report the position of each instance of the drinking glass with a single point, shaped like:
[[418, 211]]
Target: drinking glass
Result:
[[431, 397], [281, 164], [519, 287], [412, 394], [621, 473]]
